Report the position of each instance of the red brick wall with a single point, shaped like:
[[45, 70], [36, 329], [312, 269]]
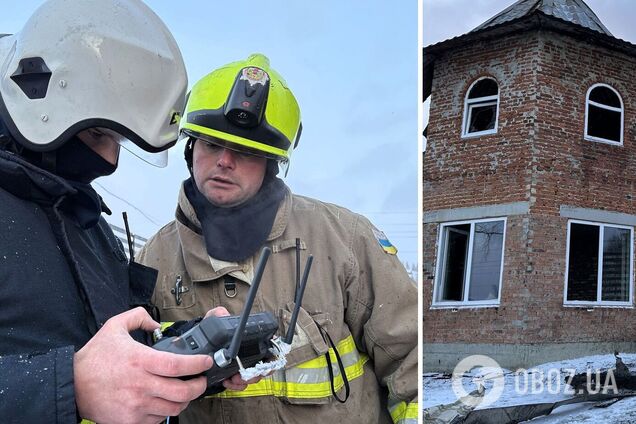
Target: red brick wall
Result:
[[538, 155], [567, 168], [481, 170]]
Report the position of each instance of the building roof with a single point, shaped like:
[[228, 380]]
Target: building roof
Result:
[[572, 17], [572, 11]]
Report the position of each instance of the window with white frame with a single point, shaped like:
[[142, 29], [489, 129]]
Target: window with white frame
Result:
[[481, 108], [470, 263], [603, 115], [599, 264]]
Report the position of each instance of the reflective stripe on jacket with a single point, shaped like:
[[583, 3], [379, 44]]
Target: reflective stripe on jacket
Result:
[[404, 412], [308, 380]]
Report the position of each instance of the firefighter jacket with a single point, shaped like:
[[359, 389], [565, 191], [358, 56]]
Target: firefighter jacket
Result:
[[360, 294], [59, 284]]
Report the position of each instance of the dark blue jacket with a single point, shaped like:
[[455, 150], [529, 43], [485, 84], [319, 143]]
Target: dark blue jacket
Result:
[[59, 283]]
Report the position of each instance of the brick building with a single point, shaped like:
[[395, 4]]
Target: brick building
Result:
[[529, 191]]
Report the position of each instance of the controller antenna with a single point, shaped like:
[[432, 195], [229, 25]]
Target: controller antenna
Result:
[[298, 300], [223, 357]]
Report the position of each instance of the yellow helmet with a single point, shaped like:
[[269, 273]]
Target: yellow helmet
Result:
[[244, 106]]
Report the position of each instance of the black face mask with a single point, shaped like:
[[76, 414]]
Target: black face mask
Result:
[[234, 234], [77, 162]]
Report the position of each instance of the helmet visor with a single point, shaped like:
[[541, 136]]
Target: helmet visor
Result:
[[103, 141], [159, 159]]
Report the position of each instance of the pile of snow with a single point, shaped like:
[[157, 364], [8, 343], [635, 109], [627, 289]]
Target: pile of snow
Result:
[[543, 383]]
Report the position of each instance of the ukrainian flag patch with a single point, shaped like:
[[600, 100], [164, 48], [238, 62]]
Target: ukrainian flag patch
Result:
[[384, 242]]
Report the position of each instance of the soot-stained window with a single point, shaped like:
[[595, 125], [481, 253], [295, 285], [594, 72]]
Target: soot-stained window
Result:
[[603, 115]]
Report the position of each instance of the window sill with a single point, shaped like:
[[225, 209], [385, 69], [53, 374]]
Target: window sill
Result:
[[603, 141], [479, 134], [599, 305], [464, 305]]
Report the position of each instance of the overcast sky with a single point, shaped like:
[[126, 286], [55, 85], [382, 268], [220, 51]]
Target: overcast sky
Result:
[[444, 19], [353, 69]]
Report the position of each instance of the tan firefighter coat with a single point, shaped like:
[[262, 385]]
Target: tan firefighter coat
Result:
[[360, 294]]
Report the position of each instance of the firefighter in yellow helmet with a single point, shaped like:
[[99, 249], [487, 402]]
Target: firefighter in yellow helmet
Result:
[[354, 355]]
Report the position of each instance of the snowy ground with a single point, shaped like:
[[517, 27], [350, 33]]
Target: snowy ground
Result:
[[544, 383]]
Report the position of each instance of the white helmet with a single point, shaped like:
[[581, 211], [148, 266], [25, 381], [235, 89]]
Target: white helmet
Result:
[[79, 64]]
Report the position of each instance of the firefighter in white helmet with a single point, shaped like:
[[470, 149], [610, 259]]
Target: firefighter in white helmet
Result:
[[81, 79], [356, 336]]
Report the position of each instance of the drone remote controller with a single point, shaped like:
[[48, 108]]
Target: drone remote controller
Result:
[[244, 343], [215, 333]]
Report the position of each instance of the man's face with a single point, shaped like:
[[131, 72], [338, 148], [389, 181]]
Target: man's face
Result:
[[225, 177]]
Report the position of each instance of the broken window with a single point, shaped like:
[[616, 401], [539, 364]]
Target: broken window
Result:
[[604, 115], [599, 266], [470, 262], [481, 108]]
